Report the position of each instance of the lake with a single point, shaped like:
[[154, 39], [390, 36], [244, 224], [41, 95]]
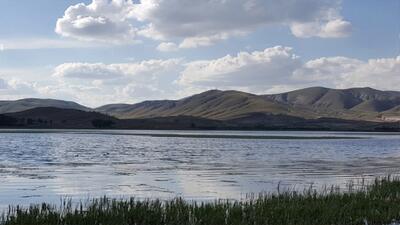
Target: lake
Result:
[[47, 165]]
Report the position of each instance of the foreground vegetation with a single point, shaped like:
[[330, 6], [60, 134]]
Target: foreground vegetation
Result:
[[375, 203]]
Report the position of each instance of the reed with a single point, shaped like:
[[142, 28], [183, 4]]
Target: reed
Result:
[[377, 202]]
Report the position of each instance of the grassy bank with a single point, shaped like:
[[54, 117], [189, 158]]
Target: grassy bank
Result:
[[377, 202]]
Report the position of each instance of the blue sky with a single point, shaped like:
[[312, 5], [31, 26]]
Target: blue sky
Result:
[[328, 43]]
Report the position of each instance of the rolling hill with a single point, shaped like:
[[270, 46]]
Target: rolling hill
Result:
[[214, 104], [354, 103], [31, 103], [50, 117], [310, 103], [56, 118], [217, 108]]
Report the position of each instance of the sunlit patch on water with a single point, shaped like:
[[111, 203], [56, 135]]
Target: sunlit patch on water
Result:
[[48, 165]]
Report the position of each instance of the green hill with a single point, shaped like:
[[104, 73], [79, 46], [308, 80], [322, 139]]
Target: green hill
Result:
[[309, 103], [365, 104], [30, 103]]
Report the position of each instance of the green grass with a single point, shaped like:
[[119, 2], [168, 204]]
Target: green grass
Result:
[[377, 202]]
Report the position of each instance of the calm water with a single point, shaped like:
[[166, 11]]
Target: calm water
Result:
[[49, 165]]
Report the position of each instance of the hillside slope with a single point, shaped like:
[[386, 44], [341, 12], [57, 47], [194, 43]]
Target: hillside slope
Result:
[[309, 103], [56, 118], [50, 117], [214, 104], [31, 103], [354, 103]]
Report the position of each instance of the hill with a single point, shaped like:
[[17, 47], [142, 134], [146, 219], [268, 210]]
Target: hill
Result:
[[354, 103], [31, 103], [214, 104], [310, 103], [56, 118], [50, 117]]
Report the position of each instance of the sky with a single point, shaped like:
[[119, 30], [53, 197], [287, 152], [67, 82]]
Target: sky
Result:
[[98, 52]]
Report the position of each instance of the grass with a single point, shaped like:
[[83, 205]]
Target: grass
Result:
[[377, 202]]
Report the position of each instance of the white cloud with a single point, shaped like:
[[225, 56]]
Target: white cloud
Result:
[[199, 41], [102, 20], [279, 69], [205, 22], [3, 84], [332, 29], [272, 70], [123, 82], [198, 23], [101, 71], [267, 68], [87, 71], [16, 87], [345, 72], [326, 68], [167, 47]]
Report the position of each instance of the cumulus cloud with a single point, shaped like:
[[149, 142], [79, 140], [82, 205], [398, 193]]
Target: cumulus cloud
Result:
[[199, 41], [272, 70], [260, 68], [3, 84], [101, 71], [278, 68], [378, 73], [102, 20], [199, 23], [17, 87], [125, 82], [87, 71], [167, 47], [345, 72], [208, 21], [332, 29], [327, 68]]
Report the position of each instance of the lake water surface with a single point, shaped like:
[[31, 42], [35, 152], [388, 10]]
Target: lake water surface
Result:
[[37, 166]]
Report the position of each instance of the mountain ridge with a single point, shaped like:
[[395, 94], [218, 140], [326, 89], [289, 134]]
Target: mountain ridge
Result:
[[365, 104], [310, 103], [10, 106], [56, 118]]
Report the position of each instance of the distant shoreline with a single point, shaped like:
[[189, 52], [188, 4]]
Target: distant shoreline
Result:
[[53, 130], [57, 118], [40, 129], [216, 136], [314, 109]]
